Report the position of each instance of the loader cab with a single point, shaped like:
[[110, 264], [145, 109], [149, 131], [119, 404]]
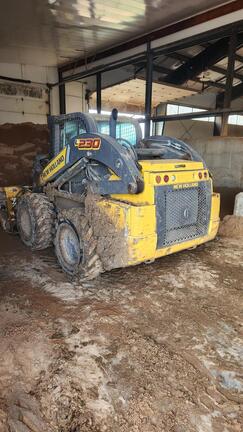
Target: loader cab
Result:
[[125, 130], [66, 127], [69, 130]]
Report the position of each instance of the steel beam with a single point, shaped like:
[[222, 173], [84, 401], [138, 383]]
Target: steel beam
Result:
[[230, 70], [98, 92], [62, 95], [165, 71], [203, 61], [217, 69], [148, 90], [229, 82], [198, 114], [236, 92]]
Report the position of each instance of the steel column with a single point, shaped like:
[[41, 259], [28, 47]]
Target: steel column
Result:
[[98, 92], [62, 95], [218, 119], [229, 82], [148, 90]]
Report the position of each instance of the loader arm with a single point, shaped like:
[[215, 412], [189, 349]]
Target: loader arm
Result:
[[98, 156]]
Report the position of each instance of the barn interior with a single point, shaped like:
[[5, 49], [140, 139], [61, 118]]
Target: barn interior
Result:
[[148, 348]]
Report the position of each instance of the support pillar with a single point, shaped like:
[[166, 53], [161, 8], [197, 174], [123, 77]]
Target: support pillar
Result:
[[62, 95], [98, 92], [229, 82], [148, 91]]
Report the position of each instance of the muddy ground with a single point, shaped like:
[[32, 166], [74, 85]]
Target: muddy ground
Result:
[[151, 348]]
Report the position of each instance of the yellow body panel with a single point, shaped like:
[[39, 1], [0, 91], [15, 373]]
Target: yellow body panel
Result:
[[135, 215], [54, 166], [156, 165], [178, 171]]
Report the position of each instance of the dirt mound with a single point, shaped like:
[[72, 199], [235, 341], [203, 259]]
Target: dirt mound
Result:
[[19, 144], [232, 226]]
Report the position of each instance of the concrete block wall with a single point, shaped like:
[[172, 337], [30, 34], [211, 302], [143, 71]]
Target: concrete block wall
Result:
[[223, 155], [188, 129], [224, 158]]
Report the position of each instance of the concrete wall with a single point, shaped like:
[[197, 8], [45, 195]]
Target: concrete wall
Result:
[[223, 155], [224, 158], [27, 102], [188, 129]]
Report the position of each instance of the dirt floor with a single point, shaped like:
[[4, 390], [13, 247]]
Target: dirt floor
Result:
[[152, 348]]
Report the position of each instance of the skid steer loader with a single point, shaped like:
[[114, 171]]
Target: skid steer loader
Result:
[[106, 198]]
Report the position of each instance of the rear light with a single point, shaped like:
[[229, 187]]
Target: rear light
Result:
[[158, 179], [166, 178], [205, 175], [200, 175]]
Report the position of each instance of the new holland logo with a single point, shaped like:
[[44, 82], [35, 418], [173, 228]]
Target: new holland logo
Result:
[[54, 166], [185, 186], [88, 143]]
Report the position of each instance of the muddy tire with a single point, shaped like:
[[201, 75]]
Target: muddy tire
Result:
[[35, 220], [76, 246]]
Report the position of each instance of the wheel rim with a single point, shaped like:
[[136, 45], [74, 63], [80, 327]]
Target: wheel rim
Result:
[[68, 247], [25, 223]]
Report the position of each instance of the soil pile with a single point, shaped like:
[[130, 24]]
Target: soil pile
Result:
[[232, 226], [19, 144]]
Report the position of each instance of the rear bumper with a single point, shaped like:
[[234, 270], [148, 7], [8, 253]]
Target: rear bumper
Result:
[[136, 225]]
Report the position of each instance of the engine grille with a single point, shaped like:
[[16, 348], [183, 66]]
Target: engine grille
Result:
[[182, 214]]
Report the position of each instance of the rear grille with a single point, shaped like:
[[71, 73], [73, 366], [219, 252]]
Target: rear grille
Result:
[[182, 214]]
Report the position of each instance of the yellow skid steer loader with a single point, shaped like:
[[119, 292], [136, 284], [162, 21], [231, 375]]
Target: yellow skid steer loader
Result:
[[106, 198]]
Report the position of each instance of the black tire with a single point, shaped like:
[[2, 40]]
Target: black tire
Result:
[[36, 220], [76, 246]]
